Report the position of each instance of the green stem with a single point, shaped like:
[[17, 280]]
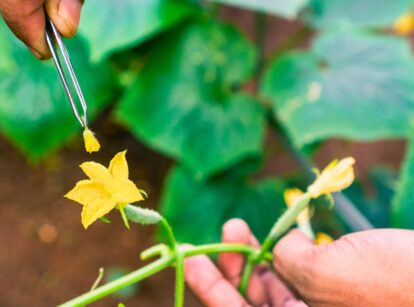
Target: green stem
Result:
[[179, 279], [279, 228], [224, 248], [120, 283], [247, 272], [160, 264], [172, 243], [283, 224]]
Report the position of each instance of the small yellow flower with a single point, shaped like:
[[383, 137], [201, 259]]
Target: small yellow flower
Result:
[[106, 189], [291, 197], [91, 143], [404, 25], [338, 175], [323, 238]]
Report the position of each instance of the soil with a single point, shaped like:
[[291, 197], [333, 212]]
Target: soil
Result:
[[46, 257]]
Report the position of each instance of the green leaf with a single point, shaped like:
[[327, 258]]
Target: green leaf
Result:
[[185, 103], [403, 202], [350, 85], [34, 110], [284, 8], [362, 13], [197, 209], [110, 26]]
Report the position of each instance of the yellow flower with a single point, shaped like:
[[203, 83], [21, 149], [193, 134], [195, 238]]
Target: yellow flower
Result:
[[91, 143], [106, 189], [338, 175], [404, 25], [291, 197], [323, 238]]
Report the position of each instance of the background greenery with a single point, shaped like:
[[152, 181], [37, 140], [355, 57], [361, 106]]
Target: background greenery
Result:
[[181, 80]]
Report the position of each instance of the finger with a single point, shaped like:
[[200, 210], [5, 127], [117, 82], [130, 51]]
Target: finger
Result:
[[26, 19], [209, 285], [232, 264], [292, 259], [65, 14], [278, 294], [235, 231]]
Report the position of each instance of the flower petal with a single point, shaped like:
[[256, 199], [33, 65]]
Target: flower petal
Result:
[[126, 192], [98, 172], [118, 167], [86, 190], [95, 209], [323, 238]]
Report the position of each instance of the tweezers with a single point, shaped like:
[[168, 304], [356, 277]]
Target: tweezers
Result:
[[52, 35]]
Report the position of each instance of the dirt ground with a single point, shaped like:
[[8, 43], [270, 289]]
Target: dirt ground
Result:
[[46, 257]]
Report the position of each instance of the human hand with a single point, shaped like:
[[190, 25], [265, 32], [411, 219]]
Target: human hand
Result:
[[217, 288], [26, 18], [369, 268]]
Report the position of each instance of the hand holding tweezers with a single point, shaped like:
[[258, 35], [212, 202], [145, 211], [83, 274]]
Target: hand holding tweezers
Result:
[[53, 35]]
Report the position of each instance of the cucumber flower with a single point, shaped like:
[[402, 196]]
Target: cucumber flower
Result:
[[105, 190], [338, 175], [91, 143]]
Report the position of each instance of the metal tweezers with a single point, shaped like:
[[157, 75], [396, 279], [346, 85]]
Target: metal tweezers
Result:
[[52, 35]]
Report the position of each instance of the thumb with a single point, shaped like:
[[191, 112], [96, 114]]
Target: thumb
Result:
[[292, 260], [65, 14]]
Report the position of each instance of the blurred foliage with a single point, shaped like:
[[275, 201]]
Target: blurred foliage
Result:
[[403, 205], [179, 75], [376, 204], [184, 104], [109, 27], [350, 84], [197, 208], [284, 8], [355, 13]]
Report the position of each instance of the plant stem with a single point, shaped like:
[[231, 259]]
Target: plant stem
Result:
[[247, 272], [284, 223], [172, 243], [179, 279], [224, 248], [160, 264], [279, 228], [120, 283]]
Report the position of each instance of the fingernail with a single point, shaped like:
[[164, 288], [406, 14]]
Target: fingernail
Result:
[[69, 11], [36, 53]]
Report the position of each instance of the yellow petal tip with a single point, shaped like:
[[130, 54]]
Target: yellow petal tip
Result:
[[91, 143], [404, 25], [337, 176]]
